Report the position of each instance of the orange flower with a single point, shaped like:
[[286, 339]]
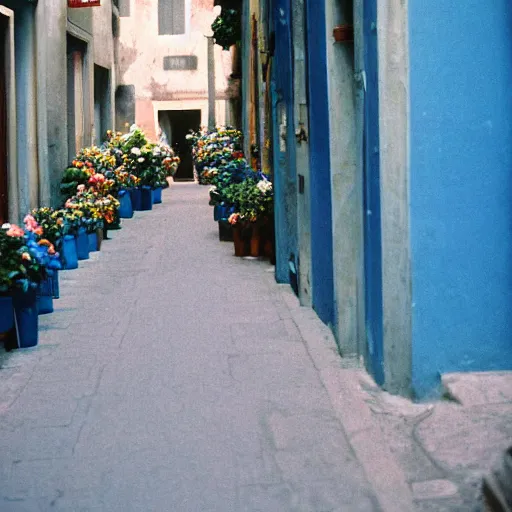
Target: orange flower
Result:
[[26, 257], [39, 231], [15, 231]]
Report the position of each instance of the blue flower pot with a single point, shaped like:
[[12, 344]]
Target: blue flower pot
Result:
[[92, 239], [6, 314], [45, 297], [82, 245], [136, 197], [146, 199], [216, 212], [125, 204], [27, 323], [68, 253], [225, 211], [54, 278], [157, 195]]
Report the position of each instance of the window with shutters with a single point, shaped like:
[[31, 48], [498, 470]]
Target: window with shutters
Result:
[[171, 17]]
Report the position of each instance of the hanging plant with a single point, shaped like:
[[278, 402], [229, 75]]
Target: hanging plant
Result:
[[227, 28]]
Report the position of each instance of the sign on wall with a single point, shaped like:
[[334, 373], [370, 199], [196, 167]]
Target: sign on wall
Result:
[[83, 3], [180, 62]]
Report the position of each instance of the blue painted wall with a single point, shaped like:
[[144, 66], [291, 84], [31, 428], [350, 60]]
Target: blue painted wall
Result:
[[320, 179], [461, 187]]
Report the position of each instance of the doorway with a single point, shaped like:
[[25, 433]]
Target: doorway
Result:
[[175, 125], [76, 51], [102, 104]]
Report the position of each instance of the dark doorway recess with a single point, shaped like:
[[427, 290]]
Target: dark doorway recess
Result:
[[175, 125]]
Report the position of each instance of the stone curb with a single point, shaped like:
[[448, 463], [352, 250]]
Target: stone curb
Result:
[[345, 382]]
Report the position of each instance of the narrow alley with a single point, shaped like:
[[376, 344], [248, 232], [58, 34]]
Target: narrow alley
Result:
[[172, 378]]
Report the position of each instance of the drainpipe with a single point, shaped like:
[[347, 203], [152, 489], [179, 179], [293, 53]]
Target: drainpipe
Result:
[[211, 83]]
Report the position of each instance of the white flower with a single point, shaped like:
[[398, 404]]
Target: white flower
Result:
[[156, 151], [213, 188], [140, 160], [135, 151], [264, 186], [6, 226]]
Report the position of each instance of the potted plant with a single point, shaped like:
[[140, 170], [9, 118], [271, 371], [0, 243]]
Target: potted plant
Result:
[[24, 265], [254, 202], [227, 28], [46, 256]]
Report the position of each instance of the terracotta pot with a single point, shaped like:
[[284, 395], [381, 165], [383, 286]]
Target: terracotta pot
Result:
[[239, 242], [255, 241], [343, 33]]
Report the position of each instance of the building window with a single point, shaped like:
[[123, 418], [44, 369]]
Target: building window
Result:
[[171, 17]]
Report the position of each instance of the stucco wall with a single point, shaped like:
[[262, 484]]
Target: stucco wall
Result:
[[346, 179], [56, 99], [102, 35], [461, 187], [141, 56]]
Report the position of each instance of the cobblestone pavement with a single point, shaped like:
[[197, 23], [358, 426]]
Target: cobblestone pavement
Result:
[[172, 377]]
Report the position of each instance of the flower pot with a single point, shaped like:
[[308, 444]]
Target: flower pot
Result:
[[239, 242], [99, 237], [157, 195], [146, 202], [136, 197], [92, 239], [225, 231], [82, 245], [25, 313], [6, 314], [255, 241], [216, 212], [125, 204], [343, 33], [44, 295], [54, 278], [69, 255]]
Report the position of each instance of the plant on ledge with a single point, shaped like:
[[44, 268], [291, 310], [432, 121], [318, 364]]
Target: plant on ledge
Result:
[[227, 28]]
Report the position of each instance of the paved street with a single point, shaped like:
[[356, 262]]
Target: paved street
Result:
[[172, 377]]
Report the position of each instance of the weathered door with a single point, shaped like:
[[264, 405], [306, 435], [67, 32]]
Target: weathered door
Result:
[[372, 216], [320, 163], [285, 177]]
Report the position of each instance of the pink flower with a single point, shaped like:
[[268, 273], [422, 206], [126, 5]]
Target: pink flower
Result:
[[15, 231], [80, 188], [30, 223]]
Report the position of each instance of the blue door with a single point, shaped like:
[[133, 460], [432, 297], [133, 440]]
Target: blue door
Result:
[[372, 214], [322, 266], [285, 179]]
